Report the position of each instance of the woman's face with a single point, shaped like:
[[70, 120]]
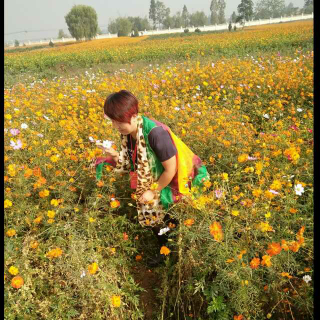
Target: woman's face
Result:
[[123, 127]]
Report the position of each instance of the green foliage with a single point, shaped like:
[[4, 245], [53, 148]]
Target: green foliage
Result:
[[82, 22], [265, 9], [221, 11], [139, 23], [16, 43], [186, 30], [152, 12], [214, 9], [61, 34], [198, 19], [230, 26], [245, 9], [197, 30], [121, 26]]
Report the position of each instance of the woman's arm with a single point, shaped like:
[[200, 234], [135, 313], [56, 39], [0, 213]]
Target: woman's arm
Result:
[[170, 169]]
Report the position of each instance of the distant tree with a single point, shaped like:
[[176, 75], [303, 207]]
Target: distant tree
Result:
[[269, 9], [140, 24], [230, 26], [185, 16], [161, 12], [308, 6], [198, 18], [221, 13], [177, 20], [121, 26], [233, 17], [245, 9], [214, 12], [99, 31], [152, 12], [168, 22], [290, 10], [82, 22], [16, 43], [61, 34]]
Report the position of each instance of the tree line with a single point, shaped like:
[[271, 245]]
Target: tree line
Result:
[[82, 20]]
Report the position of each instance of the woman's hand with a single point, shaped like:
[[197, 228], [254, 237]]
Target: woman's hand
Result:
[[147, 196], [111, 152]]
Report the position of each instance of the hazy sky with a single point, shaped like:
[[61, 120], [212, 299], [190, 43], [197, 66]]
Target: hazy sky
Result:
[[43, 18]]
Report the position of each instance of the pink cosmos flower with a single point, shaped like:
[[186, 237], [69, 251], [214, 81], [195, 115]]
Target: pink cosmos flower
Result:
[[14, 132]]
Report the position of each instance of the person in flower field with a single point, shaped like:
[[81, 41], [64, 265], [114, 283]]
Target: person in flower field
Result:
[[161, 167]]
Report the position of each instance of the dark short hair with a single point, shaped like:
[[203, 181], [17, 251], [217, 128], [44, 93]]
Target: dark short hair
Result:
[[121, 106]]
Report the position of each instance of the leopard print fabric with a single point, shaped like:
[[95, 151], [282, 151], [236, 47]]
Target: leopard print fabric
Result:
[[150, 214]]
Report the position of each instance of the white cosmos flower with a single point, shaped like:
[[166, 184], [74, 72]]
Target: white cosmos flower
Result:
[[24, 126], [163, 231], [299, 110], [91, 139], [107, 144], [83, 273], [306, 278], [299, 189], [266, 116]]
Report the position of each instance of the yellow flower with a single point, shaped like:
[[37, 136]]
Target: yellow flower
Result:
[[164, 250], [116, 301], [188, 222], [11, 232], [267, 215], [92, 219], [93, 268], [276, 185], [235, 212], [7, 203], [76, 209], [243, 157], [37, 220], [13, 270], [51, 214], [34, 244], [54, 253], [225, 176], [54, 202], [264, 227], [8, 116], [114, 204], [50, 221], [44, 193]]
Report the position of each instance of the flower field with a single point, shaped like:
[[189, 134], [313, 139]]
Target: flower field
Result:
[[242, 101]]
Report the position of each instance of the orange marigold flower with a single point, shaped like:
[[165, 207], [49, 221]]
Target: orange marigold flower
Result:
[[216, 231], [254, 263], [28, 173], [243, 157], [293, 210], [164, 250], [138, 257], [294, 246], [114, 204], [239, 317], [188, 222], [11, 232], [54, 253], [37, 172], [274, 249], [17, 282], [266, 260], [125, 236], [284, 245], [93, 268]]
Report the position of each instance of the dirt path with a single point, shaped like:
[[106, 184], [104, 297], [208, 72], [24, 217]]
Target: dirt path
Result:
[[149, 281]]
